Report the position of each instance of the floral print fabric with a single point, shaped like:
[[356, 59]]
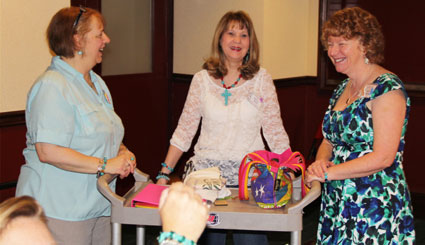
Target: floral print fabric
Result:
[[374, 209]]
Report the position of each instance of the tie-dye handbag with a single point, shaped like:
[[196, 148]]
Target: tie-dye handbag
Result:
[[271, 183]]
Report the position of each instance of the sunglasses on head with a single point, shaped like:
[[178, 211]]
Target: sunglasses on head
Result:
[[82, 10]]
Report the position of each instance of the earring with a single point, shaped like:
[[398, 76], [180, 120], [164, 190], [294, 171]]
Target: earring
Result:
[[246, 58], [80, 52], [366, 60]]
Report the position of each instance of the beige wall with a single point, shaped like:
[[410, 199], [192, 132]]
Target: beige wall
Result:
[[194, 25], [286, 29], [130, 49], [313, 38], [24, 53], [290, 34]]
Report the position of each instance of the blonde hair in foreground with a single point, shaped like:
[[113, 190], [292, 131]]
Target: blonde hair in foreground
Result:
[[15, 207]]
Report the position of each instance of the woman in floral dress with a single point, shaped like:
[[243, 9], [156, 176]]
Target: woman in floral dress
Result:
[[365, 198]]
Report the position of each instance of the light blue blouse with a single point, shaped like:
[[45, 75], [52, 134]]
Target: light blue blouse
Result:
[[63, 110]]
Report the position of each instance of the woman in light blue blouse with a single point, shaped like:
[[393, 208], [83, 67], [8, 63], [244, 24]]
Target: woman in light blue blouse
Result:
[[73, 133]]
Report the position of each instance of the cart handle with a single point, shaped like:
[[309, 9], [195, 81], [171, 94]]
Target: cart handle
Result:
[[103, 186], [314, 193]]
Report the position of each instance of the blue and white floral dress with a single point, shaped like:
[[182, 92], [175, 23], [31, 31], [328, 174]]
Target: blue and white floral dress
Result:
[[375, 209]]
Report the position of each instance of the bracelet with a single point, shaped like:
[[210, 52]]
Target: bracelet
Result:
[[101, 167], [167, 236], [326, 177], [168, 167], [162, 175]]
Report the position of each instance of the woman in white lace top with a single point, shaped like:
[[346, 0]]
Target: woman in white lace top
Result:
[[234, 113], [236, 100]]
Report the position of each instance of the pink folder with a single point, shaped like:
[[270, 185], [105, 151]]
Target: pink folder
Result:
[[148, 197]]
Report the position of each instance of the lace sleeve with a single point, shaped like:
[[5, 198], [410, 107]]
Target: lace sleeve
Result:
[[271, 123], [190, 117]]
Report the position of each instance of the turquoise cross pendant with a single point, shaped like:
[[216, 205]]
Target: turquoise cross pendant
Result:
[[226, 95]]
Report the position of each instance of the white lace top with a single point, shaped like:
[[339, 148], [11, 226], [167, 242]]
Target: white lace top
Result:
[[229, 132]]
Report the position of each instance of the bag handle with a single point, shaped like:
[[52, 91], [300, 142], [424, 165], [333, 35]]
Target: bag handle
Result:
[[297, 162], [244, 168]]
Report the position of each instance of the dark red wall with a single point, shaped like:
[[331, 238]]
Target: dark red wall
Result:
[[12, 142]]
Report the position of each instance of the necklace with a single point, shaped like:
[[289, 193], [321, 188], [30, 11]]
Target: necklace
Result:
[[226, 93], [351, 96]]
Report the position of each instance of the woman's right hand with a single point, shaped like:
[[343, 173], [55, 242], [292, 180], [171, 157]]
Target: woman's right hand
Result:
[[319, 168]]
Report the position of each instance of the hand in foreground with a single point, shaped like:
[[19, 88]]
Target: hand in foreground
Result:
[[123, 164], [182, 211]]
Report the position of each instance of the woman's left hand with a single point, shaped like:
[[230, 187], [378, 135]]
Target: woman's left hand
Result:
[[123, 164]]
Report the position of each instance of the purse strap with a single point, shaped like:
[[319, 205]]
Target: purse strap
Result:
[[297, 162], [247, 162]]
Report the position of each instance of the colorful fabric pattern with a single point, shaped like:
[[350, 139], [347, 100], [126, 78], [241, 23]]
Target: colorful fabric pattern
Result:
[[375, 209], [271, 183]]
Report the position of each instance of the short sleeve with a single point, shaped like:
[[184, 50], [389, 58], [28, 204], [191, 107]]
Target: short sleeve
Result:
[[49, 116]]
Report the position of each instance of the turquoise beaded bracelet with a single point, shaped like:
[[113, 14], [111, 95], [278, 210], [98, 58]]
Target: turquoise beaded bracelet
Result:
[[168, 167], [101, 167], [164, 236], [162, 175], [326, 177]]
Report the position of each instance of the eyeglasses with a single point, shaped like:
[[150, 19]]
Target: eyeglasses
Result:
[[82, 10]]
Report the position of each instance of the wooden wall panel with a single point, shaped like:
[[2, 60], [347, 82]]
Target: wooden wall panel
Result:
[[302, 110], [141, 102], [404, 50], [402, 25], [12, 142], [180, 88], [415, 145]]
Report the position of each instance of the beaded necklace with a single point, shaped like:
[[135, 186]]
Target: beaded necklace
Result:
[[226, 93]]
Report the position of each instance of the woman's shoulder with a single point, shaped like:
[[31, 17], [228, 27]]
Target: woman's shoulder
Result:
[[202, 76], [52, 77], [262, 72], [387, 82], [202, 73], [262, 76]]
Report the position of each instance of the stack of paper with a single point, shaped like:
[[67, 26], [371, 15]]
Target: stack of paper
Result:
[[148, 197]]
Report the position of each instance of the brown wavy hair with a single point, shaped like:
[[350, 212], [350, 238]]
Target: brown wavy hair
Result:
[[60, 32], [355, 22], [215, 64], [24, 206]]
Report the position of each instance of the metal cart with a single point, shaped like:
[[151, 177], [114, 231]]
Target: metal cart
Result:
[[237, 215]]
